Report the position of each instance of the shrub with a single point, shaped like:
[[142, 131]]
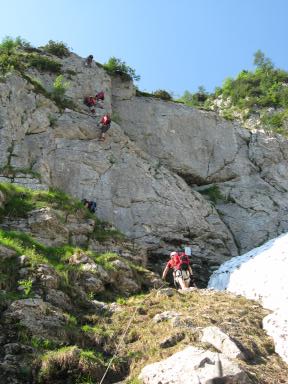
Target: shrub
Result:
[[9, 45], [43, 63], [57, 48], [213, 193], [162, 94], [275, 122], [117, 66], [195, 99], [59, 88], [26, 285], [9, 63]]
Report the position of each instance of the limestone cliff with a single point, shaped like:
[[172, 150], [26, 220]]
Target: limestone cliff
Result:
[[147, 176]]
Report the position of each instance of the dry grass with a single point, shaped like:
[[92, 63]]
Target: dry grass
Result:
[[240, 318]]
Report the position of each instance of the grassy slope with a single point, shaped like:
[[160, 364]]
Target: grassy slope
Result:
[[94, 338]]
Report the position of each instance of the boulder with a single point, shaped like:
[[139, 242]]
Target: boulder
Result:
[[40, 318], [6, 253], [164, 316], [192, 366], [172, 340], [214, 336], [47, 276]]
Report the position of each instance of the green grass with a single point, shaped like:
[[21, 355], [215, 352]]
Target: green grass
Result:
[[19, 201], [43, 63], [104, 231], [213, 193]]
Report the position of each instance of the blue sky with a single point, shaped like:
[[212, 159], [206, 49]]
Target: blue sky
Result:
[[173, 45]]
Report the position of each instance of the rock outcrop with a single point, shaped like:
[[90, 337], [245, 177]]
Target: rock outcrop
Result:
[[193, 366]]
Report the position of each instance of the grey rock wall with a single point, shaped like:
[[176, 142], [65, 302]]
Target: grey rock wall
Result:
[[145, 177], [249, 169]]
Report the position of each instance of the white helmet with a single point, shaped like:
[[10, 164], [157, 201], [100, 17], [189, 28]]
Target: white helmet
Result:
[[173, 254]]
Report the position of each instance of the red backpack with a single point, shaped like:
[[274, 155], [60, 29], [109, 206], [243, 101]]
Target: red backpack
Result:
[[100, 96], [184, 261]]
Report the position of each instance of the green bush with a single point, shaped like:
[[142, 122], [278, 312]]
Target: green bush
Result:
[[117, 66], [162, 94], [274, 122], [57, 48], [196, 99], [43, 63], [59, 88], [9, 45], [9, 63]]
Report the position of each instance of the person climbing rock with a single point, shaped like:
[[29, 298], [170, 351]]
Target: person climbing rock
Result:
[[104, 123], [99, 97], [90, 101], [91, 205], [88, 61], [182, 270]]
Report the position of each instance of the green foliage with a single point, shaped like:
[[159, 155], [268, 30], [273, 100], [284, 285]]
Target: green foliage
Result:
[[19, 200], [213, 193], [37, 84], [104, 231], [57, 48], [9, 45], [9, 63], [16, 203], [71, 320], [60, 86], [43, 63], [26, 286], [261, 61], [82, 364], [42, 343], [195, 99], [10, 56], [274, 122], [162, 94], [249, 92], [105, 259], [117, 66]]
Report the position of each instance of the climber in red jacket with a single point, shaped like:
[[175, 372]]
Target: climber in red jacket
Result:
[[105, 123]]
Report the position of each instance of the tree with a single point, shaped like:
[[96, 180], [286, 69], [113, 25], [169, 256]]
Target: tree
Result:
[[261, 61], [117, 66]]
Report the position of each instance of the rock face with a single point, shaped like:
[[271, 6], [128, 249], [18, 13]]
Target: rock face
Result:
[[145, 177], [250, 169], [193, 366], [261, 274]]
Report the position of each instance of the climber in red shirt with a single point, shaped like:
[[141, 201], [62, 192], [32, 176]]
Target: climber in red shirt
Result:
[[105, 123], [181, 269]]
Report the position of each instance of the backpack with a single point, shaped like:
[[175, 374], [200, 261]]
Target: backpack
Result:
[[100, 96], [184, 261], [92, 206]]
